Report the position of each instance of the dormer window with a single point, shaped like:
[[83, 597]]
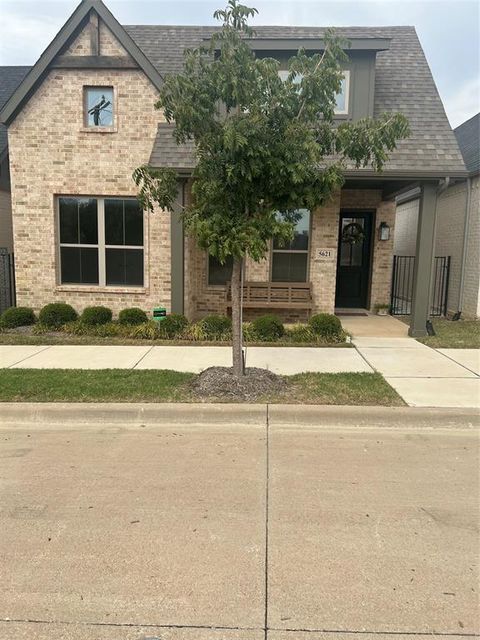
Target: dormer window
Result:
[[98, 106], [341, 98]]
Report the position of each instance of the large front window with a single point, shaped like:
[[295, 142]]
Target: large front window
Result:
[[101, 241], [290, 262]]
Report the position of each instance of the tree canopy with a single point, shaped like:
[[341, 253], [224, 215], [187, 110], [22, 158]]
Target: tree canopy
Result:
[[265, 146]]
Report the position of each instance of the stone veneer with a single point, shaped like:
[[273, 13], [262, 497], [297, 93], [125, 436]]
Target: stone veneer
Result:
[[52, 153]]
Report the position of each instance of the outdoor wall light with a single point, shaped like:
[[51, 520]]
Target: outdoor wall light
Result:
[[384, 231]]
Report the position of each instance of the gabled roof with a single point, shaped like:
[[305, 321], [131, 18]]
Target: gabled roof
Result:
[[468, 138], [10, 78], [403, 82], [58, 44]]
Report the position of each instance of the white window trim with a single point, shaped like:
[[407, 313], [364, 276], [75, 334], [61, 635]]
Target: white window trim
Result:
[[345, 112], [89, 128], [346, 75], [100, 246]]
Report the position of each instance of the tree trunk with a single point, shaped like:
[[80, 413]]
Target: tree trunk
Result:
[[237, 335]]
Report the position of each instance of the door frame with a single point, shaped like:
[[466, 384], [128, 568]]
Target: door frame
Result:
[[352, 213]]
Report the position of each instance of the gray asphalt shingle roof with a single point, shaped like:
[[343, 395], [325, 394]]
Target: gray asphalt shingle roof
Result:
[[10, 78], [468, 138], [403, 82]]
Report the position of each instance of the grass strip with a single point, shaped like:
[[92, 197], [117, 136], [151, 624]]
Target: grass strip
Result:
[[119, 385], [462, 334]]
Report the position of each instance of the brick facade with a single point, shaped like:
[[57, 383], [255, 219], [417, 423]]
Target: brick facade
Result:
[[202, 299], [52, 153]]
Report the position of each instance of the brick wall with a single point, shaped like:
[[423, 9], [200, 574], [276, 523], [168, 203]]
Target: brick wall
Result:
[[51, 153]]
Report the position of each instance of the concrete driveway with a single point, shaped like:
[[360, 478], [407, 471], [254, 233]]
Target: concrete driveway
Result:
[[232, 524]]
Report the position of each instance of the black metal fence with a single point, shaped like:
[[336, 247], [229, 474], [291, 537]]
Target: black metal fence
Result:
[[7, 280], [402, 285]]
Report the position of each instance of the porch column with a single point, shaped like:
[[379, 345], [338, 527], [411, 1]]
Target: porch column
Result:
[[177, 252], [424, 259]]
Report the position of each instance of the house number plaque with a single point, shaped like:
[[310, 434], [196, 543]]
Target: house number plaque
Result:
[[324, 255]]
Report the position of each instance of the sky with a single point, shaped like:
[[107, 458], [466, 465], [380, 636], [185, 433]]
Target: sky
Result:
[[448, 30]]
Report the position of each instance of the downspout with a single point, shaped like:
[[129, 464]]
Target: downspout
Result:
[[464, 250]]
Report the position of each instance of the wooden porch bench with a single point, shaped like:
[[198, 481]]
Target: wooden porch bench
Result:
[[273, 295]]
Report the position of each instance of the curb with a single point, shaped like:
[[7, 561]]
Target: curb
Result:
[[288, 415], [55, 413], [198, 414]]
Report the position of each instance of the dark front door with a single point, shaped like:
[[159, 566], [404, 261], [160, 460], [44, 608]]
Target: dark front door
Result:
[[353, 266]]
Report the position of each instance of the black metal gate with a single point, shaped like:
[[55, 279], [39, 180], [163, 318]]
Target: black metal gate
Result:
[[402, 285], [7, 280]]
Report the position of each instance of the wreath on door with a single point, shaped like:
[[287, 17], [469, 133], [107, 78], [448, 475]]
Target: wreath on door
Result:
[[353, 233]]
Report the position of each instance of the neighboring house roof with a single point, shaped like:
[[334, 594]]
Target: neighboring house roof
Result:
[[403, 82], [468, 138], [10, 78]]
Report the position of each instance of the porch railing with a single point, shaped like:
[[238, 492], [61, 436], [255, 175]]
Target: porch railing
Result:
[[402, 285]]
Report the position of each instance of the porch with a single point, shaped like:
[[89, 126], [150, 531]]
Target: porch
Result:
[[341, 256]]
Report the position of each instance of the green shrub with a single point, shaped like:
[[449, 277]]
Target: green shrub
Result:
[[109, 330], [248, 332], [94, 316], [132, 316], [146, 331], [172, 325], [301, 333], [215, 327], [268, 328], [326, 325], [55, 314], [17, 317]]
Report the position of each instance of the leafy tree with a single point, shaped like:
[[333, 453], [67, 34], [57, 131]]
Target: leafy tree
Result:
[[265, 147]]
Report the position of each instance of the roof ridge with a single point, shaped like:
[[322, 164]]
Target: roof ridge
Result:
[[276, 26]]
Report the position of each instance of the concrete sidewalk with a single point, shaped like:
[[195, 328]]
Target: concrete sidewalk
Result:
[[423, 376], [361, 522], [281, 360]]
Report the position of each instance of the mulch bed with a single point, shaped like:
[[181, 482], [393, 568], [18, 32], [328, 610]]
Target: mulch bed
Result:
[[220, 383]]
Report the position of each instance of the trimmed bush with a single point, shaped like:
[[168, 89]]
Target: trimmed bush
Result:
[[17, 317], [56, 314], [326, 325], [301, 333], [214, 327], [94, 316], [172, 325], [268, 328], [132, 316]]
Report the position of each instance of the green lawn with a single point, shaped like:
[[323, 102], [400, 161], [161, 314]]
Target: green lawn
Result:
[[116, 385], [462, 334]]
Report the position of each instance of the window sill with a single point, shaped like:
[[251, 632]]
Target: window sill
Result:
[[87, 288], [99, 130]]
